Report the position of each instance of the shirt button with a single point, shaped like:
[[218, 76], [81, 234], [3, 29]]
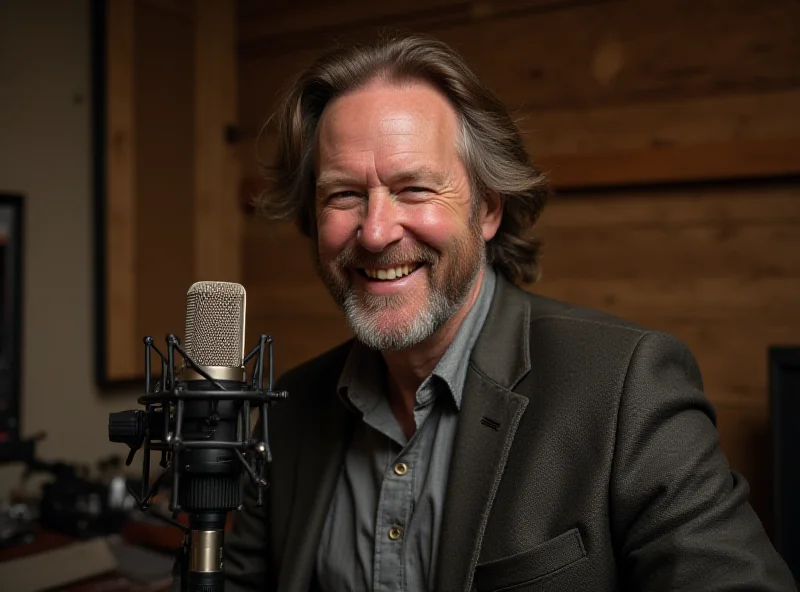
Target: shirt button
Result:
[[395, 532], [401, 469]]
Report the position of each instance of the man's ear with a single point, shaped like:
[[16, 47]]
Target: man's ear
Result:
[[491, 214]]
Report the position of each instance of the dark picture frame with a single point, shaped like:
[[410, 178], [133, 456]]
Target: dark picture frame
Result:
[[98, 12], [11, 265], [784, 403]]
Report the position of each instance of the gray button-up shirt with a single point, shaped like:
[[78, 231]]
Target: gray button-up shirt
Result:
[[384, 522]]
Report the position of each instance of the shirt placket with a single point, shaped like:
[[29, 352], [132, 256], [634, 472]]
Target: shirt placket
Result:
[[394, 512]]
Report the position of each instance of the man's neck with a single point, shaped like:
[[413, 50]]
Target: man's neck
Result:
[[407, 368]]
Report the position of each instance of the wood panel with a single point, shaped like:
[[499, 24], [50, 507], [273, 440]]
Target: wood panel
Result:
[[217, 215], [260, 21], [705, 120], [665, 252], [702, 162], [585, 55], [172, 197], [285, 297], [584, 149], [619, 101], [744, 439], [165, 170], [120, 221], [709, 138], [567, 52]]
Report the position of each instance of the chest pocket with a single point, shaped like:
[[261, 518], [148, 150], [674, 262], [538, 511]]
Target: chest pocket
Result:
[[529, 566]]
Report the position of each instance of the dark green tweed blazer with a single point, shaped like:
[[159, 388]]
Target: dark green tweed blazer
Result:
[[586, 458]]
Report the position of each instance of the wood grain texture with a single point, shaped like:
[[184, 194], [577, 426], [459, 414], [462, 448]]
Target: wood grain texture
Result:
[[173, 213], [737, 136], [165, 171], [750, 159], [284, 28], [183, 8], [700, 162], [121, 190], [285, 297], [217, 216], [583, 55], [744, 439], [604, 92]]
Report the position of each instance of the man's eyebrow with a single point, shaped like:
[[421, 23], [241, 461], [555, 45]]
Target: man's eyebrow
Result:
[[422, 173], [333, 180]]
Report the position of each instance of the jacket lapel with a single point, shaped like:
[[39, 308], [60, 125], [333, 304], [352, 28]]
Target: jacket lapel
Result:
[[488, 419], [319, 461]]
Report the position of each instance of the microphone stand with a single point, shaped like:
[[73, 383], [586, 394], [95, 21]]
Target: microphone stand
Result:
[[182, 420]]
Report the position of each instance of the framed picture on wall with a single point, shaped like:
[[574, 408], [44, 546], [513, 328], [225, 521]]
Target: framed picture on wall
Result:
[[10, 322], [167, 192]]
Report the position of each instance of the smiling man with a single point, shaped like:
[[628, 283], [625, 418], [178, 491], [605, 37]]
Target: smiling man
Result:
[[472, 436], [399, 245]]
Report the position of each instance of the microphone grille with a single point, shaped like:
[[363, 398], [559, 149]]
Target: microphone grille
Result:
[[215, 320]]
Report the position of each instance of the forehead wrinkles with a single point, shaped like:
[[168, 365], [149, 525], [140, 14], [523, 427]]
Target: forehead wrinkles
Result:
[[388, 108]]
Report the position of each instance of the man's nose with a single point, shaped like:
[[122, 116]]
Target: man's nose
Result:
[[381, 225]]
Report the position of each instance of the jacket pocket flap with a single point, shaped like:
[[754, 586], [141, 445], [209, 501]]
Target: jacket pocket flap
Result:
[[529, 565]]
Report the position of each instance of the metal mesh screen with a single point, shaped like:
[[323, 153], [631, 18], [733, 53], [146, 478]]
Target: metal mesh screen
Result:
[[215, 316]]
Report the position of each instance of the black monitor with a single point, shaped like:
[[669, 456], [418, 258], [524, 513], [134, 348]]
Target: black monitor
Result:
[[784, 394], [11, 448]]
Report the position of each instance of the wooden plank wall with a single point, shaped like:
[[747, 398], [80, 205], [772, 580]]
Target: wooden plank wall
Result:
[[607, 91], [172, 191], [165, 169], [609, 94]]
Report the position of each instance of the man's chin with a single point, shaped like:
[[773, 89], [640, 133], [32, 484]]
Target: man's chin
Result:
[[389, 330]]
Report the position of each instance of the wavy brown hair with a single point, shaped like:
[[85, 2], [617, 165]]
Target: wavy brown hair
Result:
[[490, 143]]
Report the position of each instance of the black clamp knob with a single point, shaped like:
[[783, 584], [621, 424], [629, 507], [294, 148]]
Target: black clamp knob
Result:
[[127, 427]]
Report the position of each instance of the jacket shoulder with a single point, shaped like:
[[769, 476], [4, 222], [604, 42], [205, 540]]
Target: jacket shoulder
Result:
[[545, 308], [320, 369], [588, 342]]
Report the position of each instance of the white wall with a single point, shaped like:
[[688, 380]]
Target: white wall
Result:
[[45, 153]]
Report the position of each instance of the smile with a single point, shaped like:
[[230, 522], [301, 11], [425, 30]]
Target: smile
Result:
[[390, 273]]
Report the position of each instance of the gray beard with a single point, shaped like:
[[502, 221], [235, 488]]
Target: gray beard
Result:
[[364, 325], [361, 315]]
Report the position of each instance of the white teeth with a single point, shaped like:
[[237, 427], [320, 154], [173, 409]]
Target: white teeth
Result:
[[389, 274]]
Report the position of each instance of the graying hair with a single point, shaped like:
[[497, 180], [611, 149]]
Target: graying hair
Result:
[[490, 144]]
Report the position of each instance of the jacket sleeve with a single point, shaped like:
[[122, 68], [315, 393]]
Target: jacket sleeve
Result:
[[247, 551], [680, 516]]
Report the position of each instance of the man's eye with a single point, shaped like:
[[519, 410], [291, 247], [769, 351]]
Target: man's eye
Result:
[[416, 189], [344, 194]]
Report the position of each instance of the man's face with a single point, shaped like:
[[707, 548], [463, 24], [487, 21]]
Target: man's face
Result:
[[399, 246]]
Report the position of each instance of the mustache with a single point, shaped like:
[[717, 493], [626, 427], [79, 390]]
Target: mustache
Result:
[[359, 257]]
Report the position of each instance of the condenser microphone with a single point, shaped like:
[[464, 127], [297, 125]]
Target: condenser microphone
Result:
[[208, 477], [198, 416]]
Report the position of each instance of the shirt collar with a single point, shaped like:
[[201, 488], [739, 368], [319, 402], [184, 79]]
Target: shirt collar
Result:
[[365, 367]]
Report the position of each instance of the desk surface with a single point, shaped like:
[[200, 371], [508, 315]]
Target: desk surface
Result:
[[44, 541]]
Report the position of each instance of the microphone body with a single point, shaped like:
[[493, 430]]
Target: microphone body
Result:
[[208, 478], [209, 484], [198, 416]]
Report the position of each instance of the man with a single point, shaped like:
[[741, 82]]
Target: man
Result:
[[472, 436]]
